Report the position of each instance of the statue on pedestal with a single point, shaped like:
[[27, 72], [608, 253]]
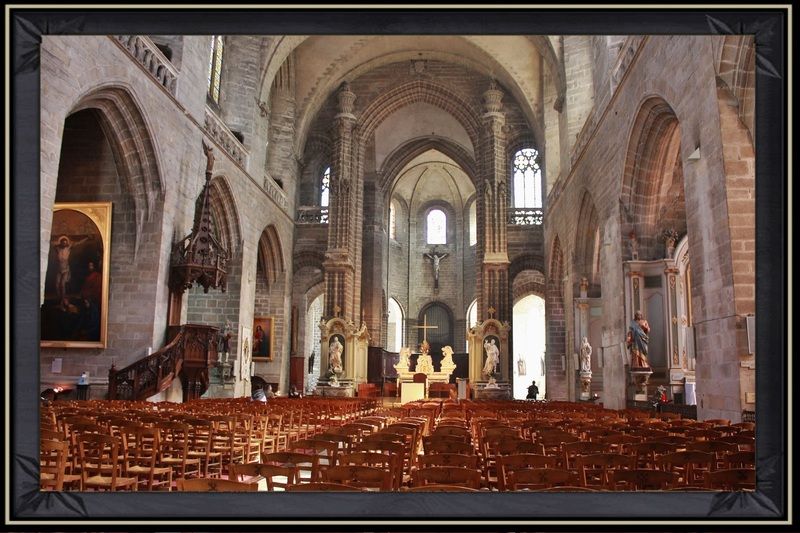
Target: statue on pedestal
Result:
[[424, 361], [586, 356], [637, 341]]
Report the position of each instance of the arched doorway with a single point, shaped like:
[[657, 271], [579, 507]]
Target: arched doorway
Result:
[[529, 345]]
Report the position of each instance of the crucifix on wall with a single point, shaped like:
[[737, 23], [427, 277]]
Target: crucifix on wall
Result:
[[436, 257]]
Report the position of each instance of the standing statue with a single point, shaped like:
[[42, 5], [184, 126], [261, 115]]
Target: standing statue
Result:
[[637, 341], [436, 258], [586, 356], [492, 357], [424, 361], [335, 356], [404, 355]]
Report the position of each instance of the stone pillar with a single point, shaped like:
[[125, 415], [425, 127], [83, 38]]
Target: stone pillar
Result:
[[340, 260], [676, 373], [493, 290]]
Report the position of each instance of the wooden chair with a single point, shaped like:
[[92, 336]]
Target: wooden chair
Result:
[[517, 446], [142, 456], [326, 451], [52, 464], [174, 450], [307, 464], [689, 465], [396, 452], [595, 469], [367, 477], [738, 460], [448, 459], [509, 463], [214, 485], [731, 479], [447, 475], [201, 441], [642, 479], [274, 476], [446, 445], [574, 449], [322, 486], [539, 478], [719, 448], [646, 453], [100, 463]]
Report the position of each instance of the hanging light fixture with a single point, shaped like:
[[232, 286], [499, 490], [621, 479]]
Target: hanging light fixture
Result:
[[199, 257]]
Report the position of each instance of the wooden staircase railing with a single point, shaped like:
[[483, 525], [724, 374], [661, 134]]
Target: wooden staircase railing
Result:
[[189, 354]]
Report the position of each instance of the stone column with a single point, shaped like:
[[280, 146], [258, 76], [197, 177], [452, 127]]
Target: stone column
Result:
[[340, 260], [493, 290]]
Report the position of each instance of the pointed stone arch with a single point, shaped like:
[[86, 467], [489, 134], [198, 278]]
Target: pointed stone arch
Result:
[[132, 144], [653, 196], [226, 215], [588, 236], [407, 151], [270, 255], [414, 92], [555, 315]]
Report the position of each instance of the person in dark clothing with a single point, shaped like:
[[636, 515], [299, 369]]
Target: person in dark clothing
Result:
[[533, 391]]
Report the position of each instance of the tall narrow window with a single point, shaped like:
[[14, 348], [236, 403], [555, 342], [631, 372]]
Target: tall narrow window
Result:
[[437, 227], [325, 188], [215, 67], [473, 225], [392, 221], [527, 179]]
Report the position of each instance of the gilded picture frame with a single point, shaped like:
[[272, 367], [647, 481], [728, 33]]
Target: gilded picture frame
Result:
[[262, 338], [74, 310]]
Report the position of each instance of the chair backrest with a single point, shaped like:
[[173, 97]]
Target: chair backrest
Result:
[[307, 464], [52, 464], [323, 486], [360, 476], [200, 484], [446, 445], [642, 479], [419, 377], [509, 463], [99, 457], [447, 475], [539, 478], [448, 459], [731, 479], [433, 487], [276, 476]]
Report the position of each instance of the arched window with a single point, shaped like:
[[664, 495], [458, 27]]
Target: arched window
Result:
[[394, 331], [392, 220], [437, 227], [325, 188], [215, 67], [527, 179], [473, 225]]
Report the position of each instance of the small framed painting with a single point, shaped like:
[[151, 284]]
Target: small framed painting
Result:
[[262, 338]]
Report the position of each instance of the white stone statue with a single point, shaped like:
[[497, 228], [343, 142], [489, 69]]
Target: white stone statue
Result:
[[586, 356], [492, 357], [404, 354], [335, 356], [447, 360]]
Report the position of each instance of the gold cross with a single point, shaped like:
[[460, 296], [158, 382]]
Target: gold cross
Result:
[[492, 311], [425, 327]]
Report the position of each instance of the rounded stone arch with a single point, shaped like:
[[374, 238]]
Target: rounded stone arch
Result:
[[270, 255], [652, 192], [524, 262], [125, 126], [308, 259], [436, 337], [417, 91], [225, 213], [588, 238], [406, 152]]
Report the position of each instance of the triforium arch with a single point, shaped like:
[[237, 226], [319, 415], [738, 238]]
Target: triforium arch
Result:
[[736, 67], [588, 240], [652, 187], [132, 144], [556, 354], [225, 215]]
